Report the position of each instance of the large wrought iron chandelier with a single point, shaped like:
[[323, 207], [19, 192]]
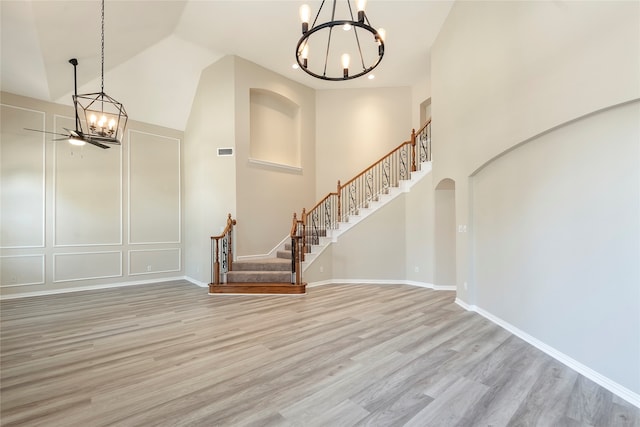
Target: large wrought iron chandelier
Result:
[[339, 38], [105, 119]]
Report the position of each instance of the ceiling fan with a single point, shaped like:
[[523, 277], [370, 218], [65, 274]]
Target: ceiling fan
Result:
[[103, 115], [76, 136]]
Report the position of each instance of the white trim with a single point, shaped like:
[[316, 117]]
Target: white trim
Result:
[[179, 141], [90, 288], [381, 282], [44, 178], [54, 195], [86, 278], [196, 282], [272, 253], [129, 273], [289, 168], [42, 271], [615, 388]]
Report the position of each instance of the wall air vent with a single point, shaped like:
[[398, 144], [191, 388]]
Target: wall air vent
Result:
[[225, 152]]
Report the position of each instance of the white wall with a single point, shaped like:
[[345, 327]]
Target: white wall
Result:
[[556, 241], [77, 217], [355, 128], [269, 194], [502, 74], [210, 181], [420, 232], [382, 257]]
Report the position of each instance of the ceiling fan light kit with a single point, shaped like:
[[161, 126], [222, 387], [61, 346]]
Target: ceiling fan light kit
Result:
[[347, 40]]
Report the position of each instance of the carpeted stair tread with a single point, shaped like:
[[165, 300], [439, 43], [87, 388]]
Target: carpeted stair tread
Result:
[[265, 264], [258, 276]]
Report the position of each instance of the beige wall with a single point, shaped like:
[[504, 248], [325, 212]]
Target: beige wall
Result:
[[269, 193], [506, 75], [75, 217], [355, 128], [210, 180]]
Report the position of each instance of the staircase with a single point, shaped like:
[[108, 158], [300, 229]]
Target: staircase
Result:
[[322, 224], [261, 276]]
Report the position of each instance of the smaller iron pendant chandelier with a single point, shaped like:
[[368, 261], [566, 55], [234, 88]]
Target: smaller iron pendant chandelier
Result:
[[105, 119], [344, 42]]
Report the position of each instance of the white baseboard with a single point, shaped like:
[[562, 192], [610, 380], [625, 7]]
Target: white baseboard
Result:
[[615, 388], [381, 282], [96, 287], [196, 282]]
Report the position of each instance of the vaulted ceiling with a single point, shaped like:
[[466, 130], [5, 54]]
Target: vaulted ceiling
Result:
[[155, 50]]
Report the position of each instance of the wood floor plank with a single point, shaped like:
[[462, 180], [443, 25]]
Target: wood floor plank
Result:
[[358, 354]]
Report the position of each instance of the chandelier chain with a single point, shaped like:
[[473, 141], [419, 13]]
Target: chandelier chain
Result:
[[102, 45]]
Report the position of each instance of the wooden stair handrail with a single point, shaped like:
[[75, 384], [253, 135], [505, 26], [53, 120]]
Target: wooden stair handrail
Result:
[[327, 213], [215, 249], [399, 147]]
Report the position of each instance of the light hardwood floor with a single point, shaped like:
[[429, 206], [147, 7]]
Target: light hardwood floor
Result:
[[378, 355]]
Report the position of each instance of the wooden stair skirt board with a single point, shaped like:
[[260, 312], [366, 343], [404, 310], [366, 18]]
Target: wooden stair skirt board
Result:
[[257, 288], [260, 276]]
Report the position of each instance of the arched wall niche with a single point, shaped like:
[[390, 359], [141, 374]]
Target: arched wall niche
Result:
[[274, 129], [446, 184]]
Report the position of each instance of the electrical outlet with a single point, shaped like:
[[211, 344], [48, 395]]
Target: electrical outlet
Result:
[[148, 268], [321, 269], [416, 269]]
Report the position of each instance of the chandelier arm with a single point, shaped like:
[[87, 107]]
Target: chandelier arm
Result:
[[326, 56], [317, 14], [355, 33], [327, 25]]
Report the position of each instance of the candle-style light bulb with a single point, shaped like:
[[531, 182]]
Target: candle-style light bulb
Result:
[[93, 119], [361, 5], [345, 65], [382, 33], [305, 15], [112, 124], [305, 54]]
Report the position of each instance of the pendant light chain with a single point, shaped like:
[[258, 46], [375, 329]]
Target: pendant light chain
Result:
[[102, 43]]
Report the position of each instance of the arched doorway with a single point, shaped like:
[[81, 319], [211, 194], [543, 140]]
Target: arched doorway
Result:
[[445, 233]]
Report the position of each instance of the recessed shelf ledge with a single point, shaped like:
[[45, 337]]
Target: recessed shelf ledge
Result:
[[288, 168]]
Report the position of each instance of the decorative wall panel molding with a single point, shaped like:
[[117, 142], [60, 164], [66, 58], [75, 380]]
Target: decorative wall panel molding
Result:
[[22, 270], [86, 265], [154, 189], [87, 192], [22, 178], [149, 261]]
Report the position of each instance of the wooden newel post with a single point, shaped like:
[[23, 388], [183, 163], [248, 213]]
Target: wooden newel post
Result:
[[216, 263], [413, 151], [304, 233], [339, 202], [230, 224]]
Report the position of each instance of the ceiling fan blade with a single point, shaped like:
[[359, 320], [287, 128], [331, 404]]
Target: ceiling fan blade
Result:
[[73, 132], [44, 131], [97, 144]]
